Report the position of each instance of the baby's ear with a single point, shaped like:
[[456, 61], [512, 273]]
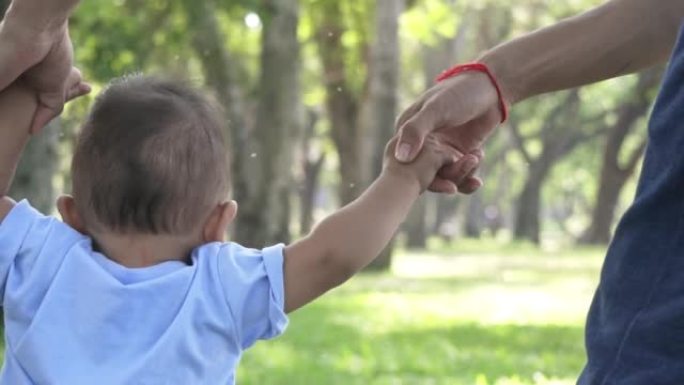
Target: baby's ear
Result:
[[221, 217], [67, 209]]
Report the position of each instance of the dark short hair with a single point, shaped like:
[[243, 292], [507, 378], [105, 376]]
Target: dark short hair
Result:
[[150, 158]]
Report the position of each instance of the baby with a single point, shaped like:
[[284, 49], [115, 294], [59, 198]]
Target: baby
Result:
[[138, 285]]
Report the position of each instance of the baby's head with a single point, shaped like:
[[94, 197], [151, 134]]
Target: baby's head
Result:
[[150, 160]]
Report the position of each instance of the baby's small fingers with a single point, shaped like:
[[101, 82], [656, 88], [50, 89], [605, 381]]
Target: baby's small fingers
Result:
[[443, 186], [460, 170], [78, 90], [75, 77], [479, 153], [442, 153], [75, 86], [470, 185]]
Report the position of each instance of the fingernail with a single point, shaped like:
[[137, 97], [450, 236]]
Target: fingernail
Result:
[[403, 152]]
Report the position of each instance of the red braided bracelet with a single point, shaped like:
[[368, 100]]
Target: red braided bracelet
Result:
[[479, 67]]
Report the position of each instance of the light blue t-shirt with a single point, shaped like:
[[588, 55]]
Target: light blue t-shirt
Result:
[[74, 317]]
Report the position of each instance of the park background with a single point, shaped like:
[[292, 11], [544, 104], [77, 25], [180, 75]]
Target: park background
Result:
[[487, 289]]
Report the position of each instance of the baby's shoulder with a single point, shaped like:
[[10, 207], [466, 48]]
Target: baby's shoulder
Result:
[[29, 227], [237, 265]]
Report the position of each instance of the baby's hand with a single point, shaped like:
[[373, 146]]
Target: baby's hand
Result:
[[75, 87], [431, 159]]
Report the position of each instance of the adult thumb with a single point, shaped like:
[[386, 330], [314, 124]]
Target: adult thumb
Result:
[[412, 135]]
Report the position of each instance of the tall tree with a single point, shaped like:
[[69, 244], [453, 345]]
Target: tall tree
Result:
[[558, 135], [342, 98], [620, 163], [313, 160], [493, 24], [266, 216], [261, 154], [437, 55], [219, 70], [384, 85]]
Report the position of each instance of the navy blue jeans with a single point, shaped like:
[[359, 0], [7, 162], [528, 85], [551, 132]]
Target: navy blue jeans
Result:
[[635, 327]]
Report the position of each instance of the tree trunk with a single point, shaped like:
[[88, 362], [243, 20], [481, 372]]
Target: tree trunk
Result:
[[529, 203], [599, 231], [435, 59], [483, 211], [383, 90], [260, 173], [614, 175], [444, 53], [446, 209], [416, 225], [265, 218], [312, 173], [340, 101], [218, 68], [497, 215], [312, 164], [37, 169], [473, 222], [558, 140]]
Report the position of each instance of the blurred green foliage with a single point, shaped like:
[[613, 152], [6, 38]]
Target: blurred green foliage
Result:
[[113, 38], [499, 313]]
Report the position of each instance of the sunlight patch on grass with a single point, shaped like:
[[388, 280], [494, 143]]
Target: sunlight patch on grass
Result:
[[473, 319]]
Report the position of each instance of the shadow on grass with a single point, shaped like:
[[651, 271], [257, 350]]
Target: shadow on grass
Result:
[[322, 348]]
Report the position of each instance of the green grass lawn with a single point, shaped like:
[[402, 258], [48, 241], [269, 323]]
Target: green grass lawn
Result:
[[478, 314]]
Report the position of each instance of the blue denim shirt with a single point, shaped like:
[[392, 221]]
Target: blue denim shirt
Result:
[[635, 328]]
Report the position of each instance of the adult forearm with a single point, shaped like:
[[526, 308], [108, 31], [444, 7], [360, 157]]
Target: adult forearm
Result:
[[41, 14], [16, 109], [619, 37]]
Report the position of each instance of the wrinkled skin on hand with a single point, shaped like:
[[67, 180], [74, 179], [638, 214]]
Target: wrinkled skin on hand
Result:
[[434, 155], [462, 112]]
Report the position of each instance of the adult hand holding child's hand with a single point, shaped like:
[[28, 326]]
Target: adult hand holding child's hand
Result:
[[41, 52], [435, 155], [460, 112]]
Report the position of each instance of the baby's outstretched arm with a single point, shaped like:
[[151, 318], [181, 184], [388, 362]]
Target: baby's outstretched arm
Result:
[[345, 242], [17, 107]]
